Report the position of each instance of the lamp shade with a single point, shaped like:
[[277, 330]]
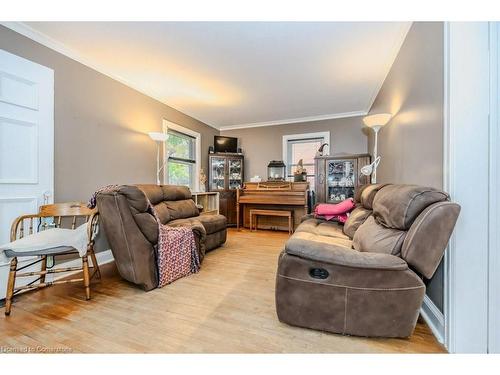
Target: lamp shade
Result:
[[377, 120], [158, 136]]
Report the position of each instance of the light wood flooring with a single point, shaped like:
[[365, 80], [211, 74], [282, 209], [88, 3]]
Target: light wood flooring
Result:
[[228, 307]]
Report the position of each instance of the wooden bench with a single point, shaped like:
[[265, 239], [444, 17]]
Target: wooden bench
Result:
[[254, 214]]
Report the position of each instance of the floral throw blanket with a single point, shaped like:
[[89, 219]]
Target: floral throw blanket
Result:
[[176, 252]]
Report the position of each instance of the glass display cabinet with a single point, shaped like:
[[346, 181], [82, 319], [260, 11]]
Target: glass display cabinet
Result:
[[217, 179], [235, 173], [226, 175], [341, 180], [338, 177]]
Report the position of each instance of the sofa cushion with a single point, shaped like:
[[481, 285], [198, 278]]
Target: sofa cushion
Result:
[[324, 251], [182, 209], [358, 191], [371, 236], [322, 228], [338, 241], [175, 193], [397, 206], [157, 194], [153, 192], [368, 194], [356, 218], [211, 223]]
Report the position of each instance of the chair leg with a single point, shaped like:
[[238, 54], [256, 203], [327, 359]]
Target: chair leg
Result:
[[95, 264], [43, 268], [86, 276], [10, 286]]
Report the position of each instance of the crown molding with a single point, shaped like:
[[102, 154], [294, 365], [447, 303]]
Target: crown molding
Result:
[[295, 120], [45, 40]]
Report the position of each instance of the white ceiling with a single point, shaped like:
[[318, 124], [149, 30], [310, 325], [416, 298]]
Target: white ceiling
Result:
[[239, 74]]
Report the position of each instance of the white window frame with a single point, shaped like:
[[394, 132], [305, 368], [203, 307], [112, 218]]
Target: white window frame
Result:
[[292, 137], [197, 136]]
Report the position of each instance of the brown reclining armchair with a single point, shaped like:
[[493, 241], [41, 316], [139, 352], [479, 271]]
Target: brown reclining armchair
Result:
[[132, 231], [365, 278]]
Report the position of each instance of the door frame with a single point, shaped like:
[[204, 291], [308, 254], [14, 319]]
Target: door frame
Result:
[[468, 146], [494, 239]]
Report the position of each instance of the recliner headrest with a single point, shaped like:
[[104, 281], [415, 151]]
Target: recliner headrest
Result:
[[397, 206], [368, 193]]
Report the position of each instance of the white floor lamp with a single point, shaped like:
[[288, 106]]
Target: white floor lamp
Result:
[[159, 138], [375, 122]]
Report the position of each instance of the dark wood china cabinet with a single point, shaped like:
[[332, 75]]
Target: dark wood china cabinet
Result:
[[226, 175]]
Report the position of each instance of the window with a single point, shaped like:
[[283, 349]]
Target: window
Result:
[[303, 146], [182, 154]]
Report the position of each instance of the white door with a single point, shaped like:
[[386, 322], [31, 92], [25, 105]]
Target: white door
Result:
[[26, 141]]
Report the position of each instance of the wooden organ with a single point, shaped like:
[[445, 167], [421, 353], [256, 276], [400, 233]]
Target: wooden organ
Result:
[[289, 196]]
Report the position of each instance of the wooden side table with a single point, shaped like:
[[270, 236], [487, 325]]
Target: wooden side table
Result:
[[254, 214]]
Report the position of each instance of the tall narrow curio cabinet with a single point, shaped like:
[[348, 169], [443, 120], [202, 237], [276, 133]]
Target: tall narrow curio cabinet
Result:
[[338, 177], [225, 175]]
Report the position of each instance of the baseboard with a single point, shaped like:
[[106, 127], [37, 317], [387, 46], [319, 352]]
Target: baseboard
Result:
[[434, 318]]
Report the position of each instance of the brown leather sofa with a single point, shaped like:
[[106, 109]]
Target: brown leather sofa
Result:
[[132, 231], [365, 278]]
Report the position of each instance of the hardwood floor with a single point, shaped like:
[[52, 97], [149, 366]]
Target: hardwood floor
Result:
[[228, 307]]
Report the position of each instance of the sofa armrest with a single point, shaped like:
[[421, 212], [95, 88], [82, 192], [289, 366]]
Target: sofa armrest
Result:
[[335, 254]]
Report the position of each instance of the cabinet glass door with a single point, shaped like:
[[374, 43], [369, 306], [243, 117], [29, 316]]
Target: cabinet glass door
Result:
[[341, 180], [217, 173], [235, 173]]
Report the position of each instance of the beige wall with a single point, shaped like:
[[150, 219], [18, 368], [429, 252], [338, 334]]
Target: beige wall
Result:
[[100, 124], [262, 144], [411, 145]]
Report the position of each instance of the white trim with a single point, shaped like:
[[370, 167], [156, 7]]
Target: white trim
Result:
[[289, 137], [494, 206], [466, 126], [47, 41], [390, 61], [294, 120], [447, 161], [434, 319], [181, 129]]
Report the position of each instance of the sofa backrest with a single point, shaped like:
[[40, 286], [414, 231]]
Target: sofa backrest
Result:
[[364, 199], [410, 221], [169, 201]]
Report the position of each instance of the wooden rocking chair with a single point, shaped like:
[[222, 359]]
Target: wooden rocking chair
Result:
[[62, 214]]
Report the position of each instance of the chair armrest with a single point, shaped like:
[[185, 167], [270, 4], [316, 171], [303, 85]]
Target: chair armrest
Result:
[[338, 255]]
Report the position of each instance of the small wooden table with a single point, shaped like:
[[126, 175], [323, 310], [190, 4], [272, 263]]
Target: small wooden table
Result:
[[254, 214]]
